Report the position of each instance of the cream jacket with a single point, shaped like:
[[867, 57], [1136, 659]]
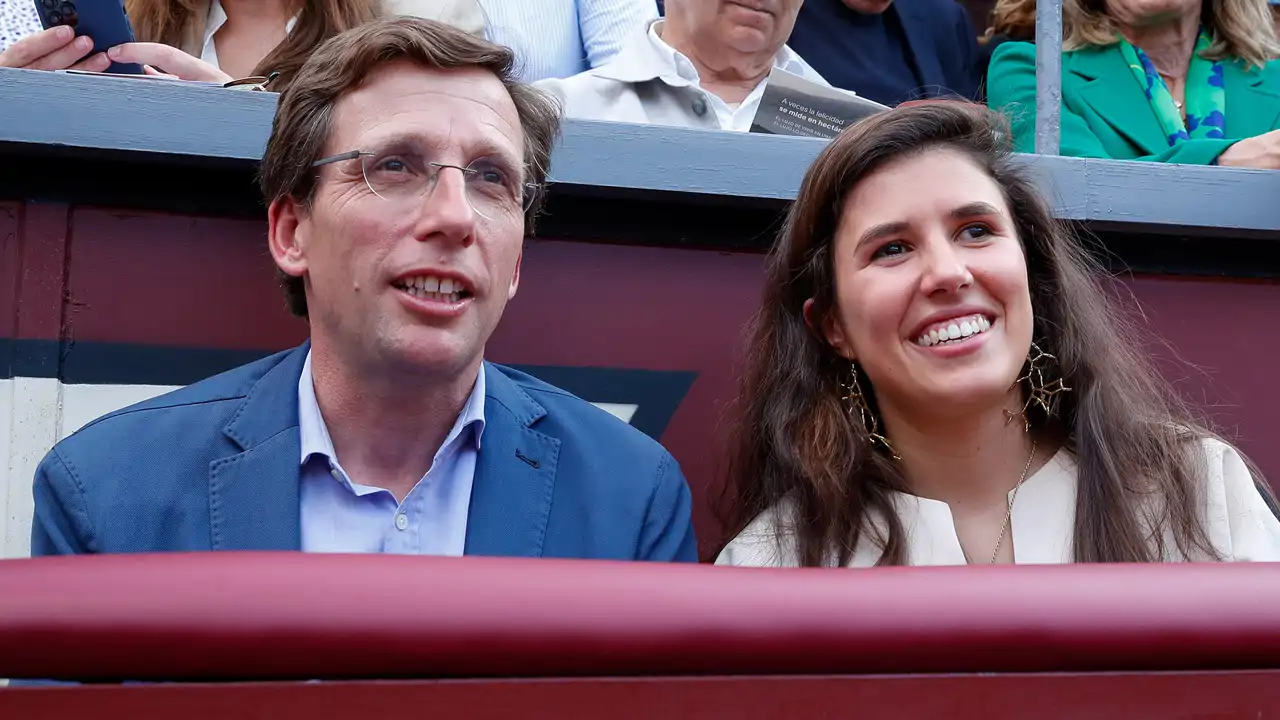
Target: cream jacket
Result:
[[1240, 524]]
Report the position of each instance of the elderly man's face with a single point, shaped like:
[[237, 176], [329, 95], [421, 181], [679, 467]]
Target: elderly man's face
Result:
[[748, 26]]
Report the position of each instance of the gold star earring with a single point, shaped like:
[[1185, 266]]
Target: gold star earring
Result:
[[1044, 385], [856, 401]]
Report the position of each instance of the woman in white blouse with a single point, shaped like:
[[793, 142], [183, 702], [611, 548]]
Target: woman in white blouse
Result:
[[936, 377]]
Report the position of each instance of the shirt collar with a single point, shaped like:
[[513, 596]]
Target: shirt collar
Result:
[[314, 433], [648, 57], [218, 18]]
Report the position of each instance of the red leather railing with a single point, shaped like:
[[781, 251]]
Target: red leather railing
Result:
[[279, 616]]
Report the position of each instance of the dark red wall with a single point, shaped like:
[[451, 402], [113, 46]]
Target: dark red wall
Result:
[[152, 279]]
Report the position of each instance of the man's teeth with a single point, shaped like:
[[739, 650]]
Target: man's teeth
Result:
[[954, 330], [433, 288]]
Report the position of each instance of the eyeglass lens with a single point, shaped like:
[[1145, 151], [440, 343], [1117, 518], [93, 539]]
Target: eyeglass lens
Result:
[[407, 174]]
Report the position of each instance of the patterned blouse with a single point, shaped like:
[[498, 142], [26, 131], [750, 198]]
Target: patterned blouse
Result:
[[18, 19]]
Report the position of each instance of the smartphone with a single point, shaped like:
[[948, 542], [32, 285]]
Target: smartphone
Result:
[[105, 21]]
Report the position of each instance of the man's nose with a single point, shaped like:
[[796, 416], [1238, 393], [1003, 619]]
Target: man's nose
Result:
[[448, 207]]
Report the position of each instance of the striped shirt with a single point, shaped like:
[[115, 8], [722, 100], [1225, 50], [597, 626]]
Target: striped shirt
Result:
[[18, 19], [559, 38]]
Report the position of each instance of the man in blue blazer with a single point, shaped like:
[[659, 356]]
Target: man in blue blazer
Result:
[[402, 166]]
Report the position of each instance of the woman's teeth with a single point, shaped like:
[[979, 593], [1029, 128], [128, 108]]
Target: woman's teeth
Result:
[[953, 330]]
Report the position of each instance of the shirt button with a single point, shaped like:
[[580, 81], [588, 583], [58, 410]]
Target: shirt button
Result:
[[402, 522], [699, 107]]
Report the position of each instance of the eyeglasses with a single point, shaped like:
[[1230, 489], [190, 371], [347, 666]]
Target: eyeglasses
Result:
[[255, 83], [404, 175]]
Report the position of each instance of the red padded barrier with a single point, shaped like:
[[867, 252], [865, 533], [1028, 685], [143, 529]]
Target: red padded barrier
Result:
[[1253, 695], [278, 616]]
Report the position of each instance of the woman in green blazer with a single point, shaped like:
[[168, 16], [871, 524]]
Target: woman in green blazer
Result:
[[1181, 81]]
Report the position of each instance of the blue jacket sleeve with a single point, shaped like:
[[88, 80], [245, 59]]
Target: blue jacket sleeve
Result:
[[667, 535], [61, 524]]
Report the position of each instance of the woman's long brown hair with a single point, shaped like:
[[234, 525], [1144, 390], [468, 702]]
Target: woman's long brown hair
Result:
[[165, 21], [1136, 443]]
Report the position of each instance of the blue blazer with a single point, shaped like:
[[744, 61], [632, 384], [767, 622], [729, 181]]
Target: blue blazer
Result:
[[214, 466]]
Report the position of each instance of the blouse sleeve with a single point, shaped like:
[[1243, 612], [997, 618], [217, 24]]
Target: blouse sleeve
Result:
[[1240, 520]]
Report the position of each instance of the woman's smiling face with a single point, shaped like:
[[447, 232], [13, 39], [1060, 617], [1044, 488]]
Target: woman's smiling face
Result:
[[931, 292]]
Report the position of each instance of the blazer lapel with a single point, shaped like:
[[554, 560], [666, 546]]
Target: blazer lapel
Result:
[[1253, 101], [253, 495], [1115, 95], [515, 474], [920, 44]]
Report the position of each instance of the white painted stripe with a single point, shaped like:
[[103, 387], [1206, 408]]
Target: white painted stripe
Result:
[[32, 412], [619, 410], [37, 412]]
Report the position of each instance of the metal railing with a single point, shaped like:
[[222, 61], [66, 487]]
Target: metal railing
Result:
[[1048, 76]]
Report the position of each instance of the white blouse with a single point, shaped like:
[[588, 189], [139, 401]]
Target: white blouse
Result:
[[1239, 523]]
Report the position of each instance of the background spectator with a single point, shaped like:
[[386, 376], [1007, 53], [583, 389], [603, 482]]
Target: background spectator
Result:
[[23, 44], [1275, 15], [220, 40], [559, 38], [890, 51], [1011, 20], [1183, 82], [18, 19], [704, 65]]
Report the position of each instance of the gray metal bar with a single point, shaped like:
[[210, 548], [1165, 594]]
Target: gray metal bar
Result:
[[70, 114], [1048, 75]]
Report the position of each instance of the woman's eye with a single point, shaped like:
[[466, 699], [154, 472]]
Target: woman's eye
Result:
[[892, 249], [976, 232]]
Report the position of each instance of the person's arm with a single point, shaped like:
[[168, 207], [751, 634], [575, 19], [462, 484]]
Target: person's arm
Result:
[[160, 59], [61, 524], [667, 534], [606, 25], [1011, 88]]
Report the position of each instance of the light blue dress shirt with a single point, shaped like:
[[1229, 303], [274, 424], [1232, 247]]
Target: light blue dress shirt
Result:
[[339, 514], [559, 38]]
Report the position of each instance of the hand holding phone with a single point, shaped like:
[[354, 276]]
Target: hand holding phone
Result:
[[103, 21], [54, 49]]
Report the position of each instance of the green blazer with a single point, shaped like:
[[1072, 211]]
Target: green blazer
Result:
[[1105, 113]]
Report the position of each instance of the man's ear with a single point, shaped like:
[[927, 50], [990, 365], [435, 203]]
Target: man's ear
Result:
[[828, 328], [287, 233], [515, 276]]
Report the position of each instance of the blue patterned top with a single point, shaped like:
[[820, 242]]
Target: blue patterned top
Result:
[[1205, 93], [18, 19]]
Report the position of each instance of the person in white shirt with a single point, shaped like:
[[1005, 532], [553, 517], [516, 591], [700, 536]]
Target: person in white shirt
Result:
[[704, 66], [24, 44], [937, 376], [218, 40], [560, 38]]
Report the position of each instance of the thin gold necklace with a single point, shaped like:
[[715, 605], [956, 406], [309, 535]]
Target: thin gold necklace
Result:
[[1008, 515]]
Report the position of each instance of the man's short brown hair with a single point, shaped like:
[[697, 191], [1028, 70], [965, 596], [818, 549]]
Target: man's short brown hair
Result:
[[305, 114]]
